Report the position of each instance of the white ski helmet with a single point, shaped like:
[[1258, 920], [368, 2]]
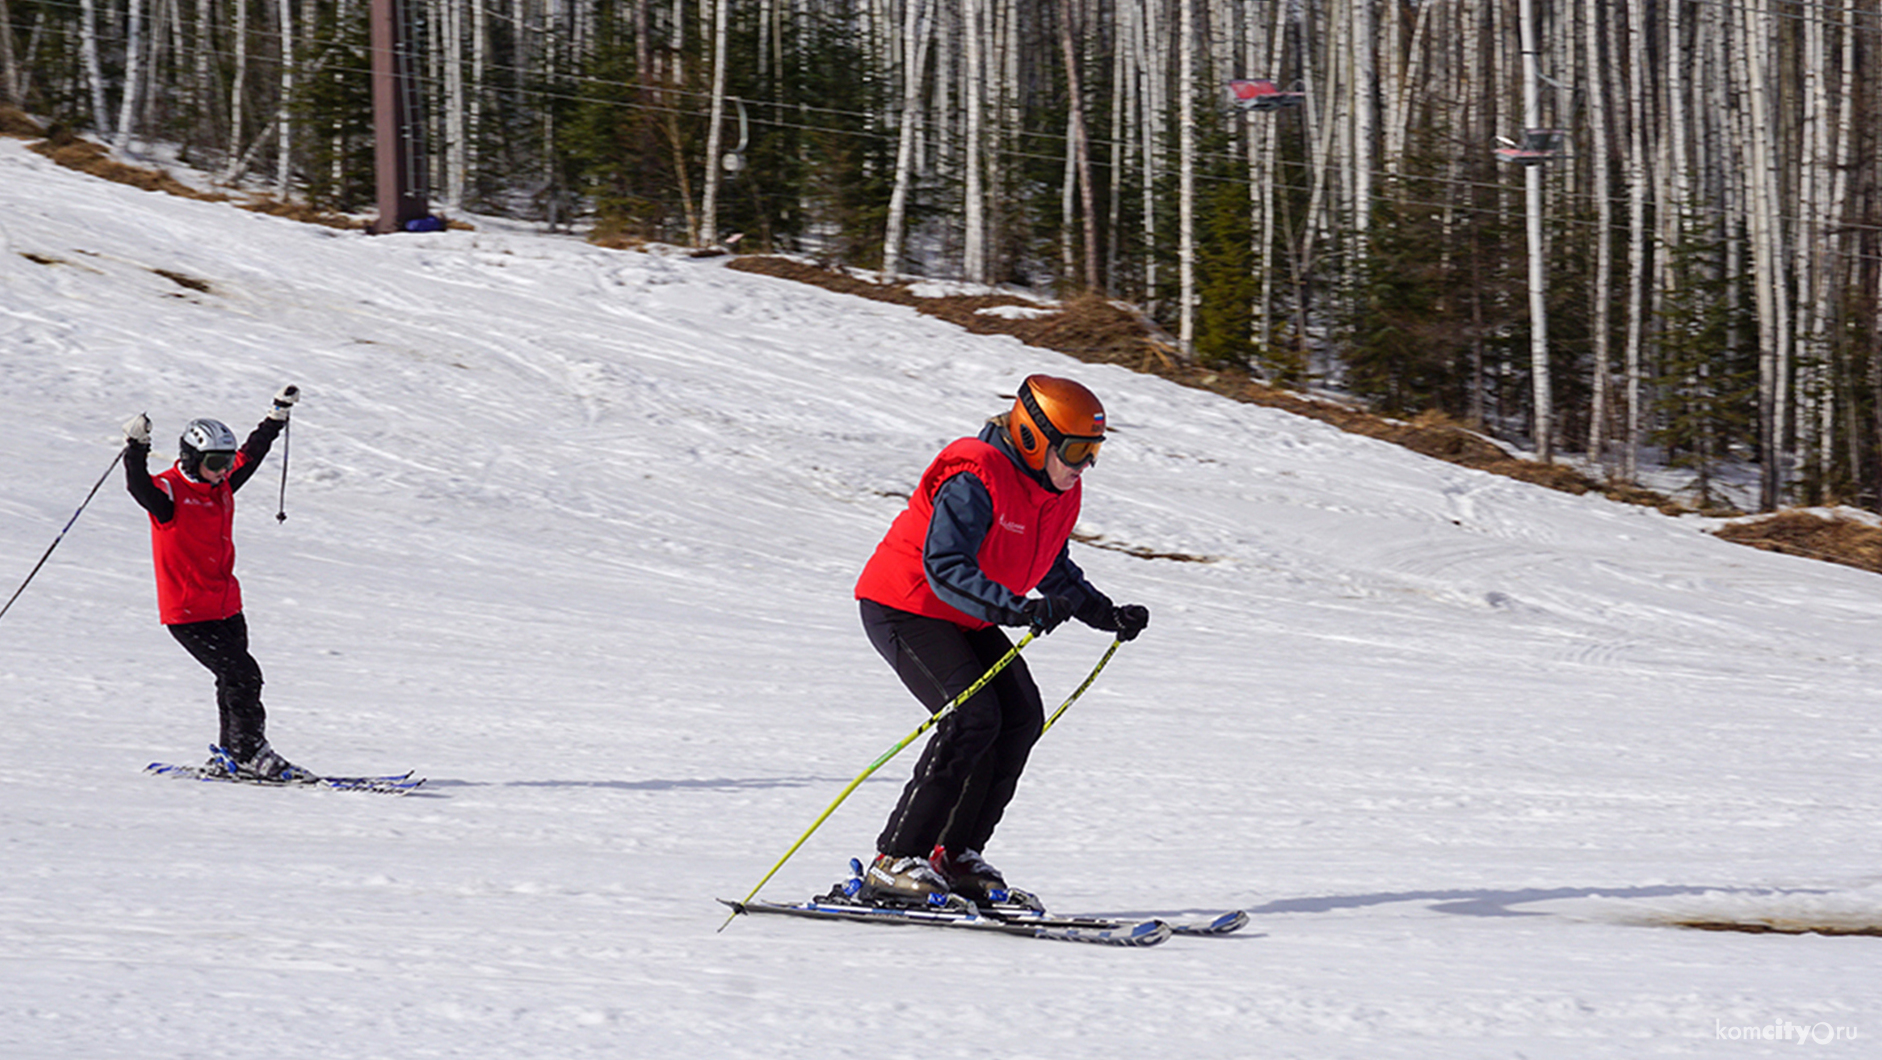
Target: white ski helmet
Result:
[[204, 436]]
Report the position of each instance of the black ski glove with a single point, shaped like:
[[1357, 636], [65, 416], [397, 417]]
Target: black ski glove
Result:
[[1045, 613], [1127, 621]]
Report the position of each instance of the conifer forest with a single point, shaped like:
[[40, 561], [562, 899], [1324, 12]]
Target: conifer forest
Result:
[[1627, 229]]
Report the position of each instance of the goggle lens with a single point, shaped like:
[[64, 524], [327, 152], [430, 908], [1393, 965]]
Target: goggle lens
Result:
[[1079, 452], [217, 461]]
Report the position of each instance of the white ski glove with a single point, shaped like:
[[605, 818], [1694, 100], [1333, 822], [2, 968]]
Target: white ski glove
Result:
[[137, 429], [283, 401]]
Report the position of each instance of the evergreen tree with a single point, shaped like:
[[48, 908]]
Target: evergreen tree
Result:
[[334, 104], [847, 160], [1225, 283], [621, 141], [1705, 390], [1435, 296]]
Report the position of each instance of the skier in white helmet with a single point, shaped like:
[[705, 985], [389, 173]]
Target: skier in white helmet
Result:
[[192, 520]]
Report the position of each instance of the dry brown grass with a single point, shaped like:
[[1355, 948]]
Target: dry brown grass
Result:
[[1849, 542], [15, 123], [300, 211], [74, 152], [1783, 927], [1095, 329], [95, 159]]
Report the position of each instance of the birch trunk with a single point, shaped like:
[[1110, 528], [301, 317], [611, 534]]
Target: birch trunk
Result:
[[709, 208], [11, 84], [915, 50], [134, 49], [238, 89], [1151, 122], [1077, 148], [1843, 277], [974, 235], [1539, 367], [94, 74], [1365, 126], [1756, 74], [455, 108], [1602, 287], [284, 122], [1186, 161], [1637, 257]]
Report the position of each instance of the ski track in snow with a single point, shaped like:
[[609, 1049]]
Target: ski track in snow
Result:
[[572, 532]]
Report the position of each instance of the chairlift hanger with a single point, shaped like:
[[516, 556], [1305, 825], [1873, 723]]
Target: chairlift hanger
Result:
[[1537, 146], [1262, 94], [734, 160]]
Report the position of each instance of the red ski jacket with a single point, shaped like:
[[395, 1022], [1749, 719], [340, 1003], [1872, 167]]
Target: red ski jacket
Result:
[[192, 530], [194, 552], [1026, 536]]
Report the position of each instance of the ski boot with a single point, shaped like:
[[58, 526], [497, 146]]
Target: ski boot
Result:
[[898, 882], [972, 876], [260, 764]]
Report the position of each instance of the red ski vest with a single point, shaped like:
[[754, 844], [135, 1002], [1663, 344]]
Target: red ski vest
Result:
[[1030, 527], [194, 552]]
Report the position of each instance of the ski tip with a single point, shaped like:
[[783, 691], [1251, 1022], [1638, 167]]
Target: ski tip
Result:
[[735, 907], [1222, 924], [1233, 920]]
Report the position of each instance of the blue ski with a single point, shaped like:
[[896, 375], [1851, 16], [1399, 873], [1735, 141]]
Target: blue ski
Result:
[[1063, 929], [388, 784]]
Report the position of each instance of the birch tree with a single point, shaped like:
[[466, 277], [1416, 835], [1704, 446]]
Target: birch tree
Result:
[[284, 122], [134, 48], [1078, 149], [1601, 290], [1186, 161], [915, 47], [94, 71], [709, 208]]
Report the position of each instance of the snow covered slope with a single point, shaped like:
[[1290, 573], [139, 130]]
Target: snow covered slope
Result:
[[572, 532]]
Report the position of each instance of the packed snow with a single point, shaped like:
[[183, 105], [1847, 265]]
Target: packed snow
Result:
[[572, 532]]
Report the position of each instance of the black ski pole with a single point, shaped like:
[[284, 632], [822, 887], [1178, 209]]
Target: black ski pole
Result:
[[61, 537], [281, 508]]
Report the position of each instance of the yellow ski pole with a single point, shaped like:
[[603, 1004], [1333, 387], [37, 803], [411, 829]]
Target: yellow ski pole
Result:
[[1080, 690], [932, 721]]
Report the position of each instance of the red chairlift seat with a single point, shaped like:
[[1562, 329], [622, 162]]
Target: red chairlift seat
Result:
[[1262, 94], [1538, 146]]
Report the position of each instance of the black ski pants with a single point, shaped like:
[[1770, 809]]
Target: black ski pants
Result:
[[971, 765], [222, 646]]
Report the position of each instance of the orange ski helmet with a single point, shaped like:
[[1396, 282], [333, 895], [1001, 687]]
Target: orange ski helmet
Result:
[[1052, 413]]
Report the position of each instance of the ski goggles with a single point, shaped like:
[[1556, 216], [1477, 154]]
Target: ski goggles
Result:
[[1078, 451], [218, 460]]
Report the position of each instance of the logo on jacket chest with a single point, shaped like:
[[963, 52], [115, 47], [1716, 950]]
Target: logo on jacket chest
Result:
[[1011, 526]]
